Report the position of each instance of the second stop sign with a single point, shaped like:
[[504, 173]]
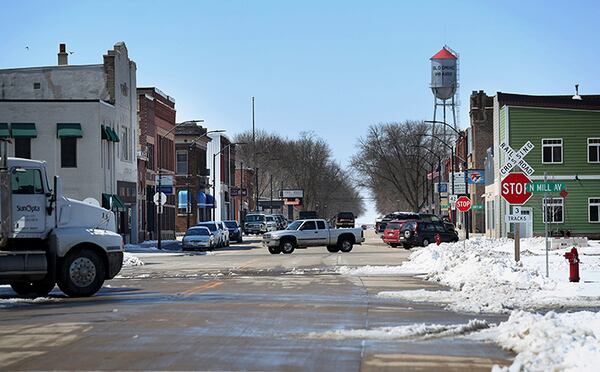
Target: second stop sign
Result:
[[513, 188], [463, 203]]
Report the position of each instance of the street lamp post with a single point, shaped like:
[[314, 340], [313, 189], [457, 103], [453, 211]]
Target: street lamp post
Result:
[[159, 148], [463, 135]]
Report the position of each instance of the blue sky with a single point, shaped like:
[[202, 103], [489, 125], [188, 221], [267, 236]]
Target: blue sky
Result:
[[332, 67]]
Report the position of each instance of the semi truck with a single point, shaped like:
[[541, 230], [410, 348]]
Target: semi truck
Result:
[[47, 239]]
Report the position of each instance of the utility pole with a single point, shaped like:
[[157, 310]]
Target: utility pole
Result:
[[271, 202], [254, 156]]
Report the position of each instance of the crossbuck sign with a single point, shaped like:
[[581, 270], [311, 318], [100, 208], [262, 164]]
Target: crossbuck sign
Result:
[[516, 158]]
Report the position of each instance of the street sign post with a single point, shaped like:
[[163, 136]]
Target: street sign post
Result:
[[452, 201], [463, 203], [513, 188], [160, 198], [546, 186]]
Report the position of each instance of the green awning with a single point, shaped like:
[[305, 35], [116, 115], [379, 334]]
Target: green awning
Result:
[[111, 134], [4, 132], [104, 133], [117, 203], [64, 130], [26, 130]]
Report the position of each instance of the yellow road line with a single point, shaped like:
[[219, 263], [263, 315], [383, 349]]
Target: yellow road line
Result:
[[203, 287]]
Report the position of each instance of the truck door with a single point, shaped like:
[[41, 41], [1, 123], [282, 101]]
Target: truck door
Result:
[[308, 234], [28, 202], [322, 233]]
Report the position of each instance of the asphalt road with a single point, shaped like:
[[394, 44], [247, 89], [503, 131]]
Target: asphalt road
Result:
[[239, 309]]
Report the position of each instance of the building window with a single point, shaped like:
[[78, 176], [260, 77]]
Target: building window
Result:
[[68, 152], [125, 151], [593, 150], [150, 150], [23, 147], [552, 151], [182, 162], [553, 210], [594, 210]]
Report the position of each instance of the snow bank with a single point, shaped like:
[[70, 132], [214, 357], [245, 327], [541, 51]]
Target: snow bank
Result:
[[130, 260], [550, 342], [420, 331], [150, 246], [12, 302], [485, 278]]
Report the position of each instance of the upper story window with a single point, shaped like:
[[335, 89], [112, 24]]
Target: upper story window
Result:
[[593, 145], [552, 151], [22, 147], [182, 162], [125, 149]]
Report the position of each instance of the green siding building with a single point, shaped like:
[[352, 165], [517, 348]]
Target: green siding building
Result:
[[566, 136]]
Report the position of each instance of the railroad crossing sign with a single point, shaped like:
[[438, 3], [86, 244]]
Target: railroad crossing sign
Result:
[[463, 203], [513, 188], [514, 158]]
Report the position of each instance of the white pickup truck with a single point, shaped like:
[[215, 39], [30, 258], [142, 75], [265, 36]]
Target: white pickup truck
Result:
[[48, 239], [311, 233]]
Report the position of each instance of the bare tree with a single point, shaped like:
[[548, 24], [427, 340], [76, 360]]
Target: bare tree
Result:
[[390, 161], [304, 163]]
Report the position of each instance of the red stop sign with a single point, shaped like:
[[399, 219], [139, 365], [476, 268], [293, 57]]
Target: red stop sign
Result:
[[513, 188], [463, 203]]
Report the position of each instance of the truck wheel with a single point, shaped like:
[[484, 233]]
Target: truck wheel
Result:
[[345, 245], [81, 274], [333, 248], [38, 288], [286, 246], [425, 242], [274, 250]]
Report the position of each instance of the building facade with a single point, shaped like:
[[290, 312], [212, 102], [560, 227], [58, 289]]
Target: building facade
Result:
[[221, 162], [565, 133], [156, 147], [82, 120], [194, 200]]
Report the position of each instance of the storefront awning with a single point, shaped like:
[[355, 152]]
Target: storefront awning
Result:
[[201, 199], [117, 203], [104, 133], [23, 130], [210, 201], [66, 130], [109, 134], [4, 132]]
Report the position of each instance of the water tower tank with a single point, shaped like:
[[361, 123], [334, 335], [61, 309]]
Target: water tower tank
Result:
[[443, 74]]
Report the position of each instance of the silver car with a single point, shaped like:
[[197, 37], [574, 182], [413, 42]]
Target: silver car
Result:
[[216, 231], [224, 231], [198, 237]]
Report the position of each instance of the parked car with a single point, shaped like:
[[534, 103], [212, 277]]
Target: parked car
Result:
[[423, 233], [308, 233], [281, 221], [225, 231], [216, 230], [400, 216], [198, 237], [344, 219], [259, 223], [235, 231]]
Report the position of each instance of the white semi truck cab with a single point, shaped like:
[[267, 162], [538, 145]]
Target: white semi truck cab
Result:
[[48, 239]]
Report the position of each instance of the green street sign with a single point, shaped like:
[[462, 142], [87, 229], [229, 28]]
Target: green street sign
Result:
[[542, 186], [477, 206]]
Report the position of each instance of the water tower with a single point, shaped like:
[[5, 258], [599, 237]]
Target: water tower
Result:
[[444, 84]]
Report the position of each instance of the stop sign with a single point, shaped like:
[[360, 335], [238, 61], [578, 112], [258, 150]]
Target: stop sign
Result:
[[463, 203], [513, 188]]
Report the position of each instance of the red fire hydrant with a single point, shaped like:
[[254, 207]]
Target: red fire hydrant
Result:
[[573, 258], [438, 239]]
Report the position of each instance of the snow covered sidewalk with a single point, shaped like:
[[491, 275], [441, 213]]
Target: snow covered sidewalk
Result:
[[484, 278]]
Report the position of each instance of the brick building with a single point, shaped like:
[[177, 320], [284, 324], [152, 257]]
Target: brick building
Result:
[[243, 200], [156, 148], [481, 138], [194, 202]]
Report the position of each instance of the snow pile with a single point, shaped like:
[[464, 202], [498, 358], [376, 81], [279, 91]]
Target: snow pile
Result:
[[485, 278], [12, 302], [568, 341], [150, 246], [130, 260], [420, 331]]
